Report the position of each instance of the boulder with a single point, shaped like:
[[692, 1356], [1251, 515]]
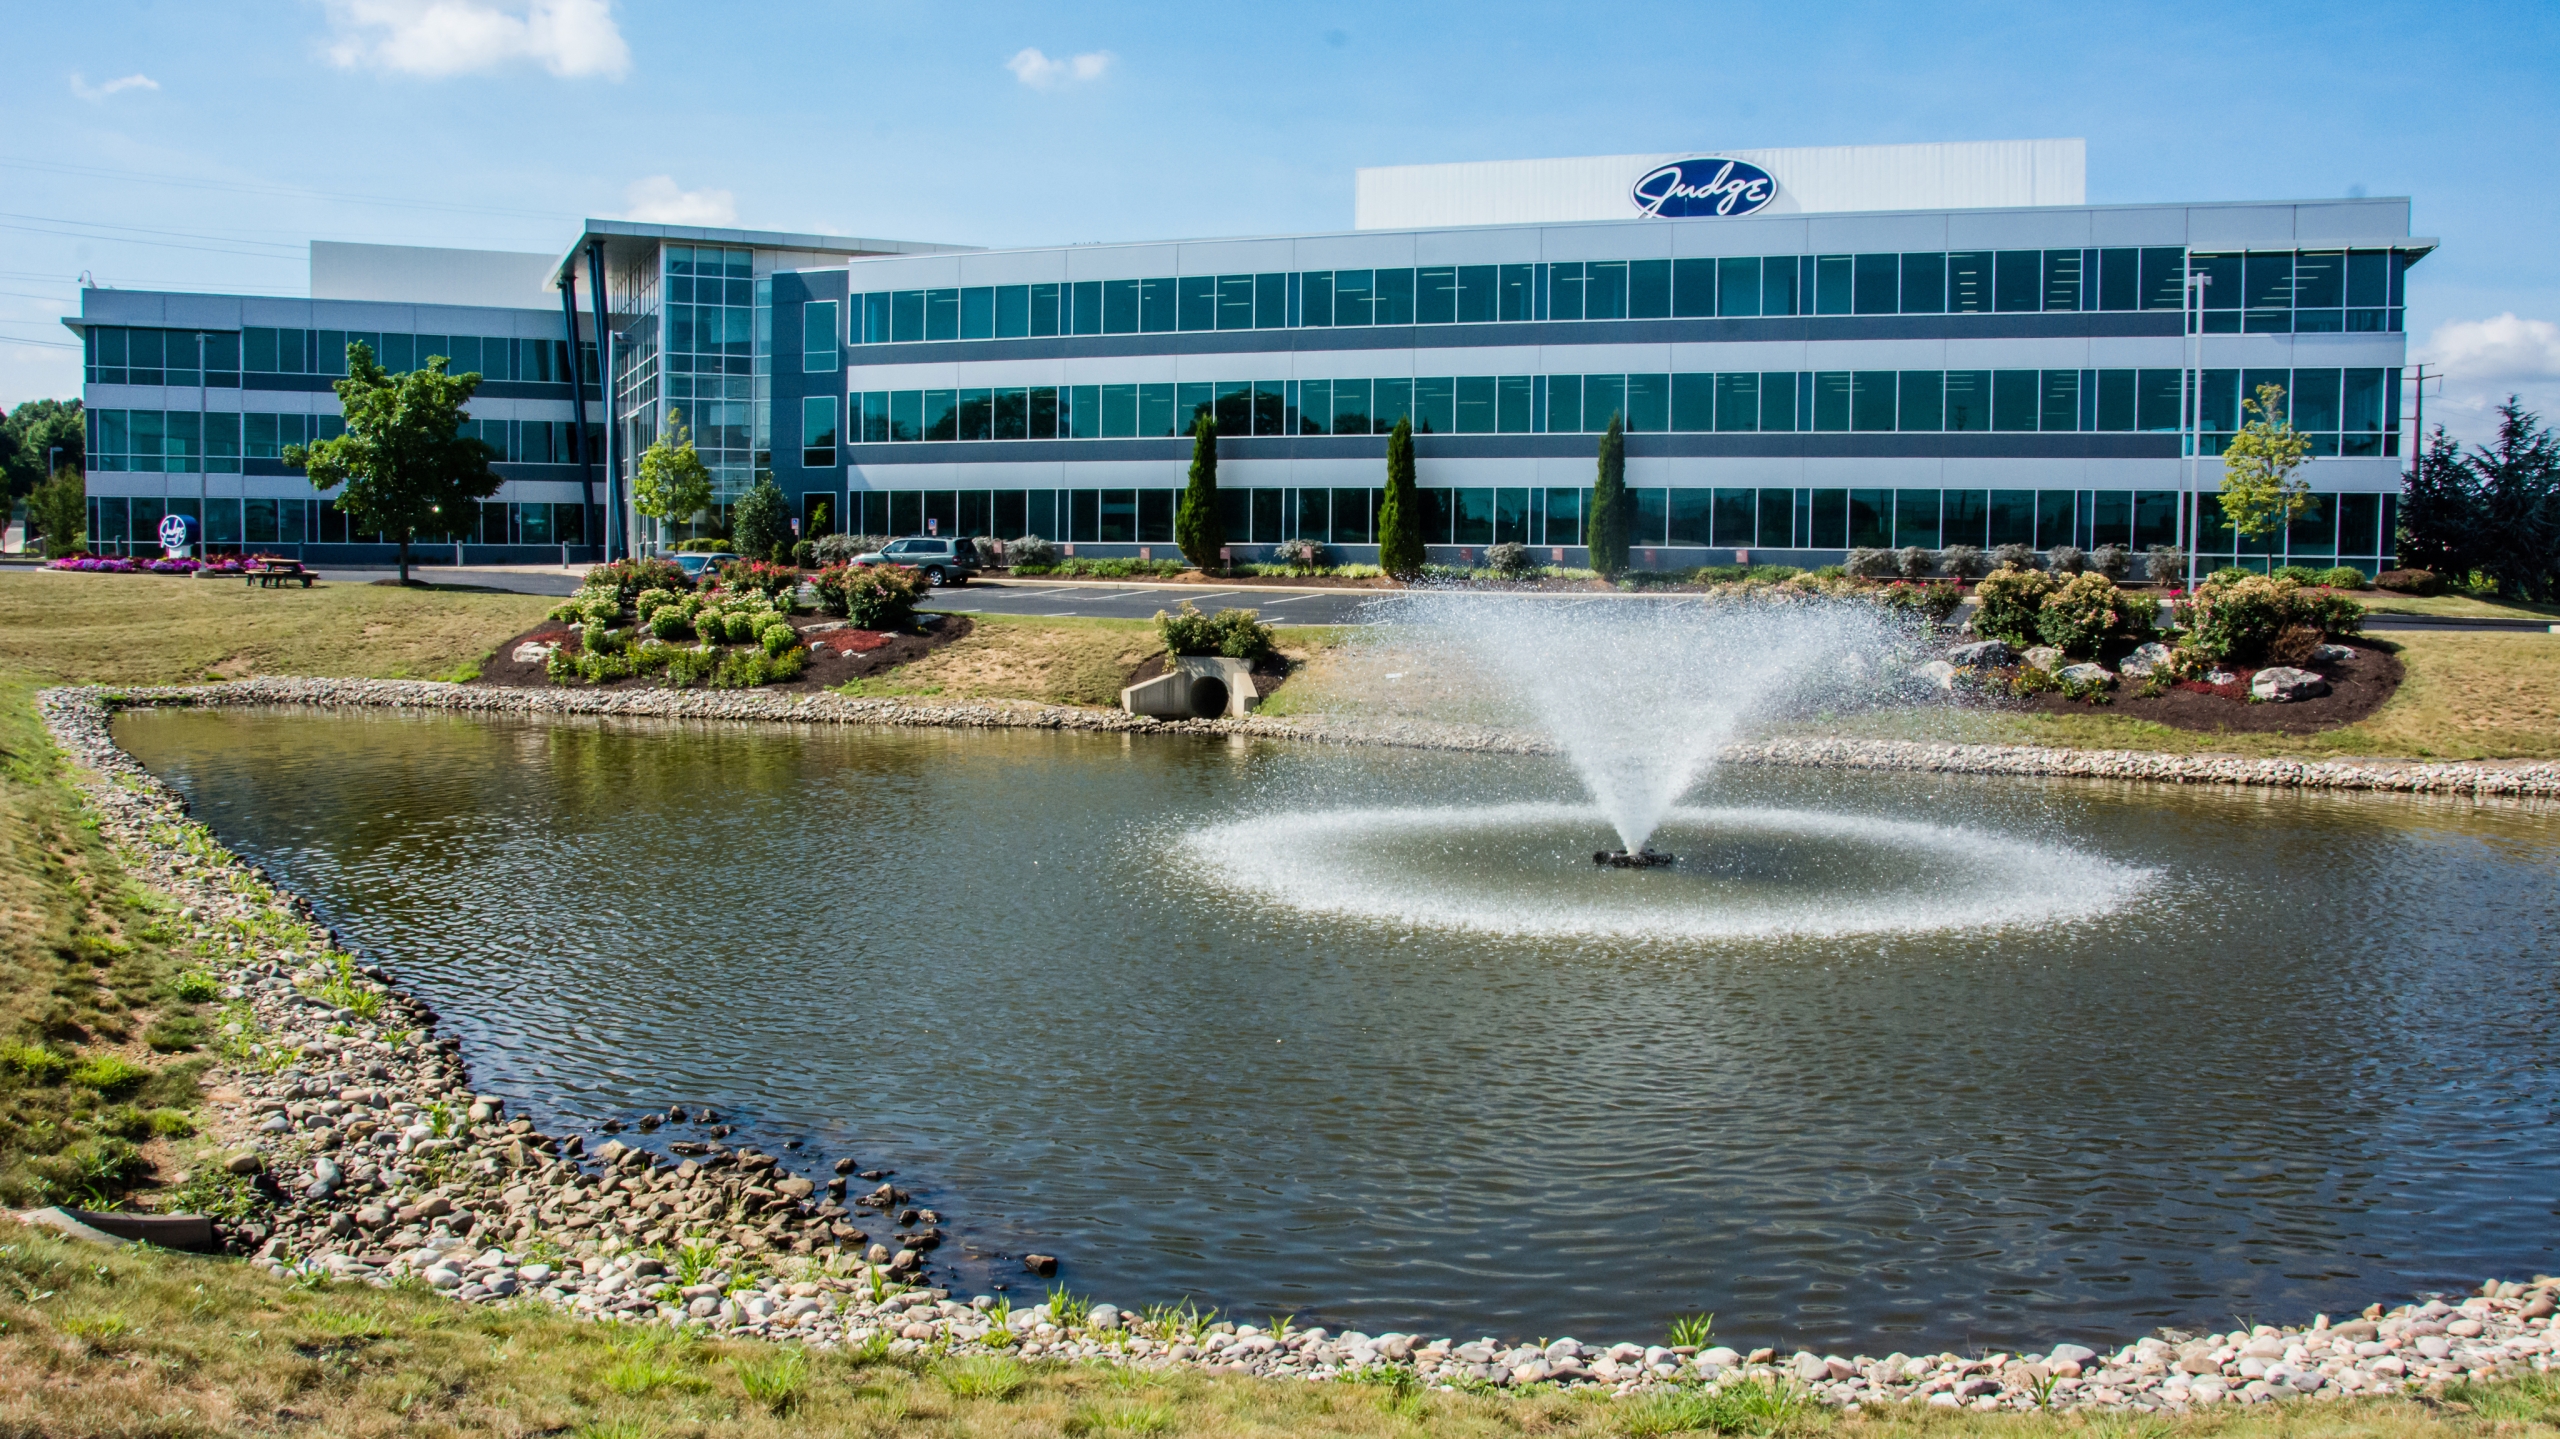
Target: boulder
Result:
[[2333, 654], [1983, 655], [2044, 657], [2283, 684], [1042, 1265], [2146, 660], [534, 652], [1939, 674], [2088, 674]]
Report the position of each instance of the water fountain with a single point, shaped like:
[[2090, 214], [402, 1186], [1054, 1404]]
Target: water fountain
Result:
[[1640, 697]]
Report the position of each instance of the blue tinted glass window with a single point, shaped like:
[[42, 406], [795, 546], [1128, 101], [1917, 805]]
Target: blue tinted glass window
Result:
[[1354, 297], [1271, 301], [1196, 301], [1871, 397], [942, 414], [1564, 404], [1649, 403], [1013, 311], [2014, 399], [1564, 291], [1435, 406], [1923, 405], [1435, 295], [1393, 304], [942, 314], [978, 313], [1602, 397], [1119, 307], [1969, 282], [1693, 402], [1924, 284], [1831, 400], [1156, 307], [1518, 284], [1876, 288], [1475, 405], [2061, 405], [1235, 302], [2018, 280], [1045, 316], [1478, 290], [1738, 399], [1512, 404], [1649, 289], [1781, 285], [2062, 279], [1738, 286], [1084, 301], [818, 336], [1604, 290], [1832, 284], [1316, 303], [1693, 288]]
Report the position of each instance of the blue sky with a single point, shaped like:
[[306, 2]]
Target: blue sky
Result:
[[199, 147]]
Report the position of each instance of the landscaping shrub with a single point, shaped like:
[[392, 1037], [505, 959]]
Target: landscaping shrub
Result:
[[1029, 550], [667, 622], [687, 667], [2088, 613], [2113, 561], [777, 637], [2165, 564], [2343, 577], [836, 549], [1303, 556], [2010, 597], [2299, 574], [2295, 644], [1932, 600], [2240, 620], [2016, 557], [1869, 564], [1964, 562], [778, 581], [2410, 582], [2066, 559], [987, 550], [1914, 563], [1106, 569], [1510, 559], [704, 545], [627, 578], [804, 554], [1236, 634], [875, 597]]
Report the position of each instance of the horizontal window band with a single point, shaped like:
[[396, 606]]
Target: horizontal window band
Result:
[[2099, 324], [2065, 445]]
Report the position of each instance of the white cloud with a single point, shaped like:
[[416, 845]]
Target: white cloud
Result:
[[95, 93], [1040, 72], [456, 37], [658, 201], [2485, 361]]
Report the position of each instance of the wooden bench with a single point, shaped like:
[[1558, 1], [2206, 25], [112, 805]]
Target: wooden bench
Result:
[[271, 573]]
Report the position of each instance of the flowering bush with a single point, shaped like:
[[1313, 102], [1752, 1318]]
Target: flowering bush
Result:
[[2010, 597], [92, 564], [1932, 600], [1303, 555], [875, 597], [757, 575], [627, 578], [2240, 619], [2088, 613]]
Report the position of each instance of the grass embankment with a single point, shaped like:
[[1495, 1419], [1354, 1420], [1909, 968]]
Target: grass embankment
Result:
[[128, 1343], [1065, 661], [96, 1031], [148, 629]]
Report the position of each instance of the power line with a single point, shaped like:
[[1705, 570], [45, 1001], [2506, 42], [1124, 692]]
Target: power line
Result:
[[37, 344], [298, 191], [233, 239], [128, 240]]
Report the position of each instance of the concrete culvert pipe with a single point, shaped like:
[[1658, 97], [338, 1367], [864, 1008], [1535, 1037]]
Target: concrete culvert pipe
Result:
[[1208, 697]]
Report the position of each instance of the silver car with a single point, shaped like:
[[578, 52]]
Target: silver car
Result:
[[944, 562]]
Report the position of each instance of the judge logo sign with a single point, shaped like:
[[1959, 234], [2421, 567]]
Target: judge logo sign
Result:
[[1710, 188]]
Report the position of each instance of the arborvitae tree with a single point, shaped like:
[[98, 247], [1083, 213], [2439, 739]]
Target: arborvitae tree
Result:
[[1608, 526], [1400, 513], [1198, 526], [760, 522]]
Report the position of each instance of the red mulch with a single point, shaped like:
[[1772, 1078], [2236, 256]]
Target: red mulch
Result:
[[2357, 687]]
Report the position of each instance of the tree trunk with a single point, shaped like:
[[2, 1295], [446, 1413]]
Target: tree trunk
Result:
[[404, 559]]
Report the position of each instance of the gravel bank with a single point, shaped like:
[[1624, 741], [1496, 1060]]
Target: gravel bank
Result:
[[2537, 779], [343, 1104]]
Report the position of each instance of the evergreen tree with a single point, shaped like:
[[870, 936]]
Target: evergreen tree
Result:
[[403, 462], [1607, 529], [2516, 481], [760, 522], [2439, 515], [1400, 513], [1198, 526]]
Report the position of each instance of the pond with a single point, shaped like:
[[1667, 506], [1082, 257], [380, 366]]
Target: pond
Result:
[[1887, 1062]]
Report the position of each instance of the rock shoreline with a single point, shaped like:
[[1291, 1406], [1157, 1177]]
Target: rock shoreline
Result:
[[2538, 779], [340, 1100]]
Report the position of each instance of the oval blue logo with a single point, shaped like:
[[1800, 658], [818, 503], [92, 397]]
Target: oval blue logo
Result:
[[1706, 188]]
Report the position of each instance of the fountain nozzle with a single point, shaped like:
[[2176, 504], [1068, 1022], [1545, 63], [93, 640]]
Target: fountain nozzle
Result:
[[1646, 858]]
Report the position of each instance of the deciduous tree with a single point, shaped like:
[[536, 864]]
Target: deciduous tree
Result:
[[2262, 485], [673, 484], [40, 438], [402, 466]]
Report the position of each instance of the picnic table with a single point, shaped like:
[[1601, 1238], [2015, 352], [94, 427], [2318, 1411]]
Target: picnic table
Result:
[[269, 573]]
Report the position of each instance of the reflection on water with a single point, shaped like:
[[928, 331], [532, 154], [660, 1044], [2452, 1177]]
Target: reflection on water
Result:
[[2295, 1062]]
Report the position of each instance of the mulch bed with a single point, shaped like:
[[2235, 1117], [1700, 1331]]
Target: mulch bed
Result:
[[835, 656], [2357, 688]]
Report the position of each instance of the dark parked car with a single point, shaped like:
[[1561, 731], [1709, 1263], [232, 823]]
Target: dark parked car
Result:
[[944, 562], [700, 565]]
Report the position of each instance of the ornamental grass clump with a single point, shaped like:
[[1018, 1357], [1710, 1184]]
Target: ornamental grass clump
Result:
[[2088, 615], [2010, 597]]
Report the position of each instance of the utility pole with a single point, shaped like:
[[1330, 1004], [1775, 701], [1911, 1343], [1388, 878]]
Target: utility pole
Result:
[[2418, 425], [2190, 522], [203, 449]]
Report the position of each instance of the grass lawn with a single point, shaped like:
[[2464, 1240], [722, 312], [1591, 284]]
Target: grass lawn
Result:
[[153, 629], [1067, 661], [2383, 602], [2467, 697], [134, 1343]]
